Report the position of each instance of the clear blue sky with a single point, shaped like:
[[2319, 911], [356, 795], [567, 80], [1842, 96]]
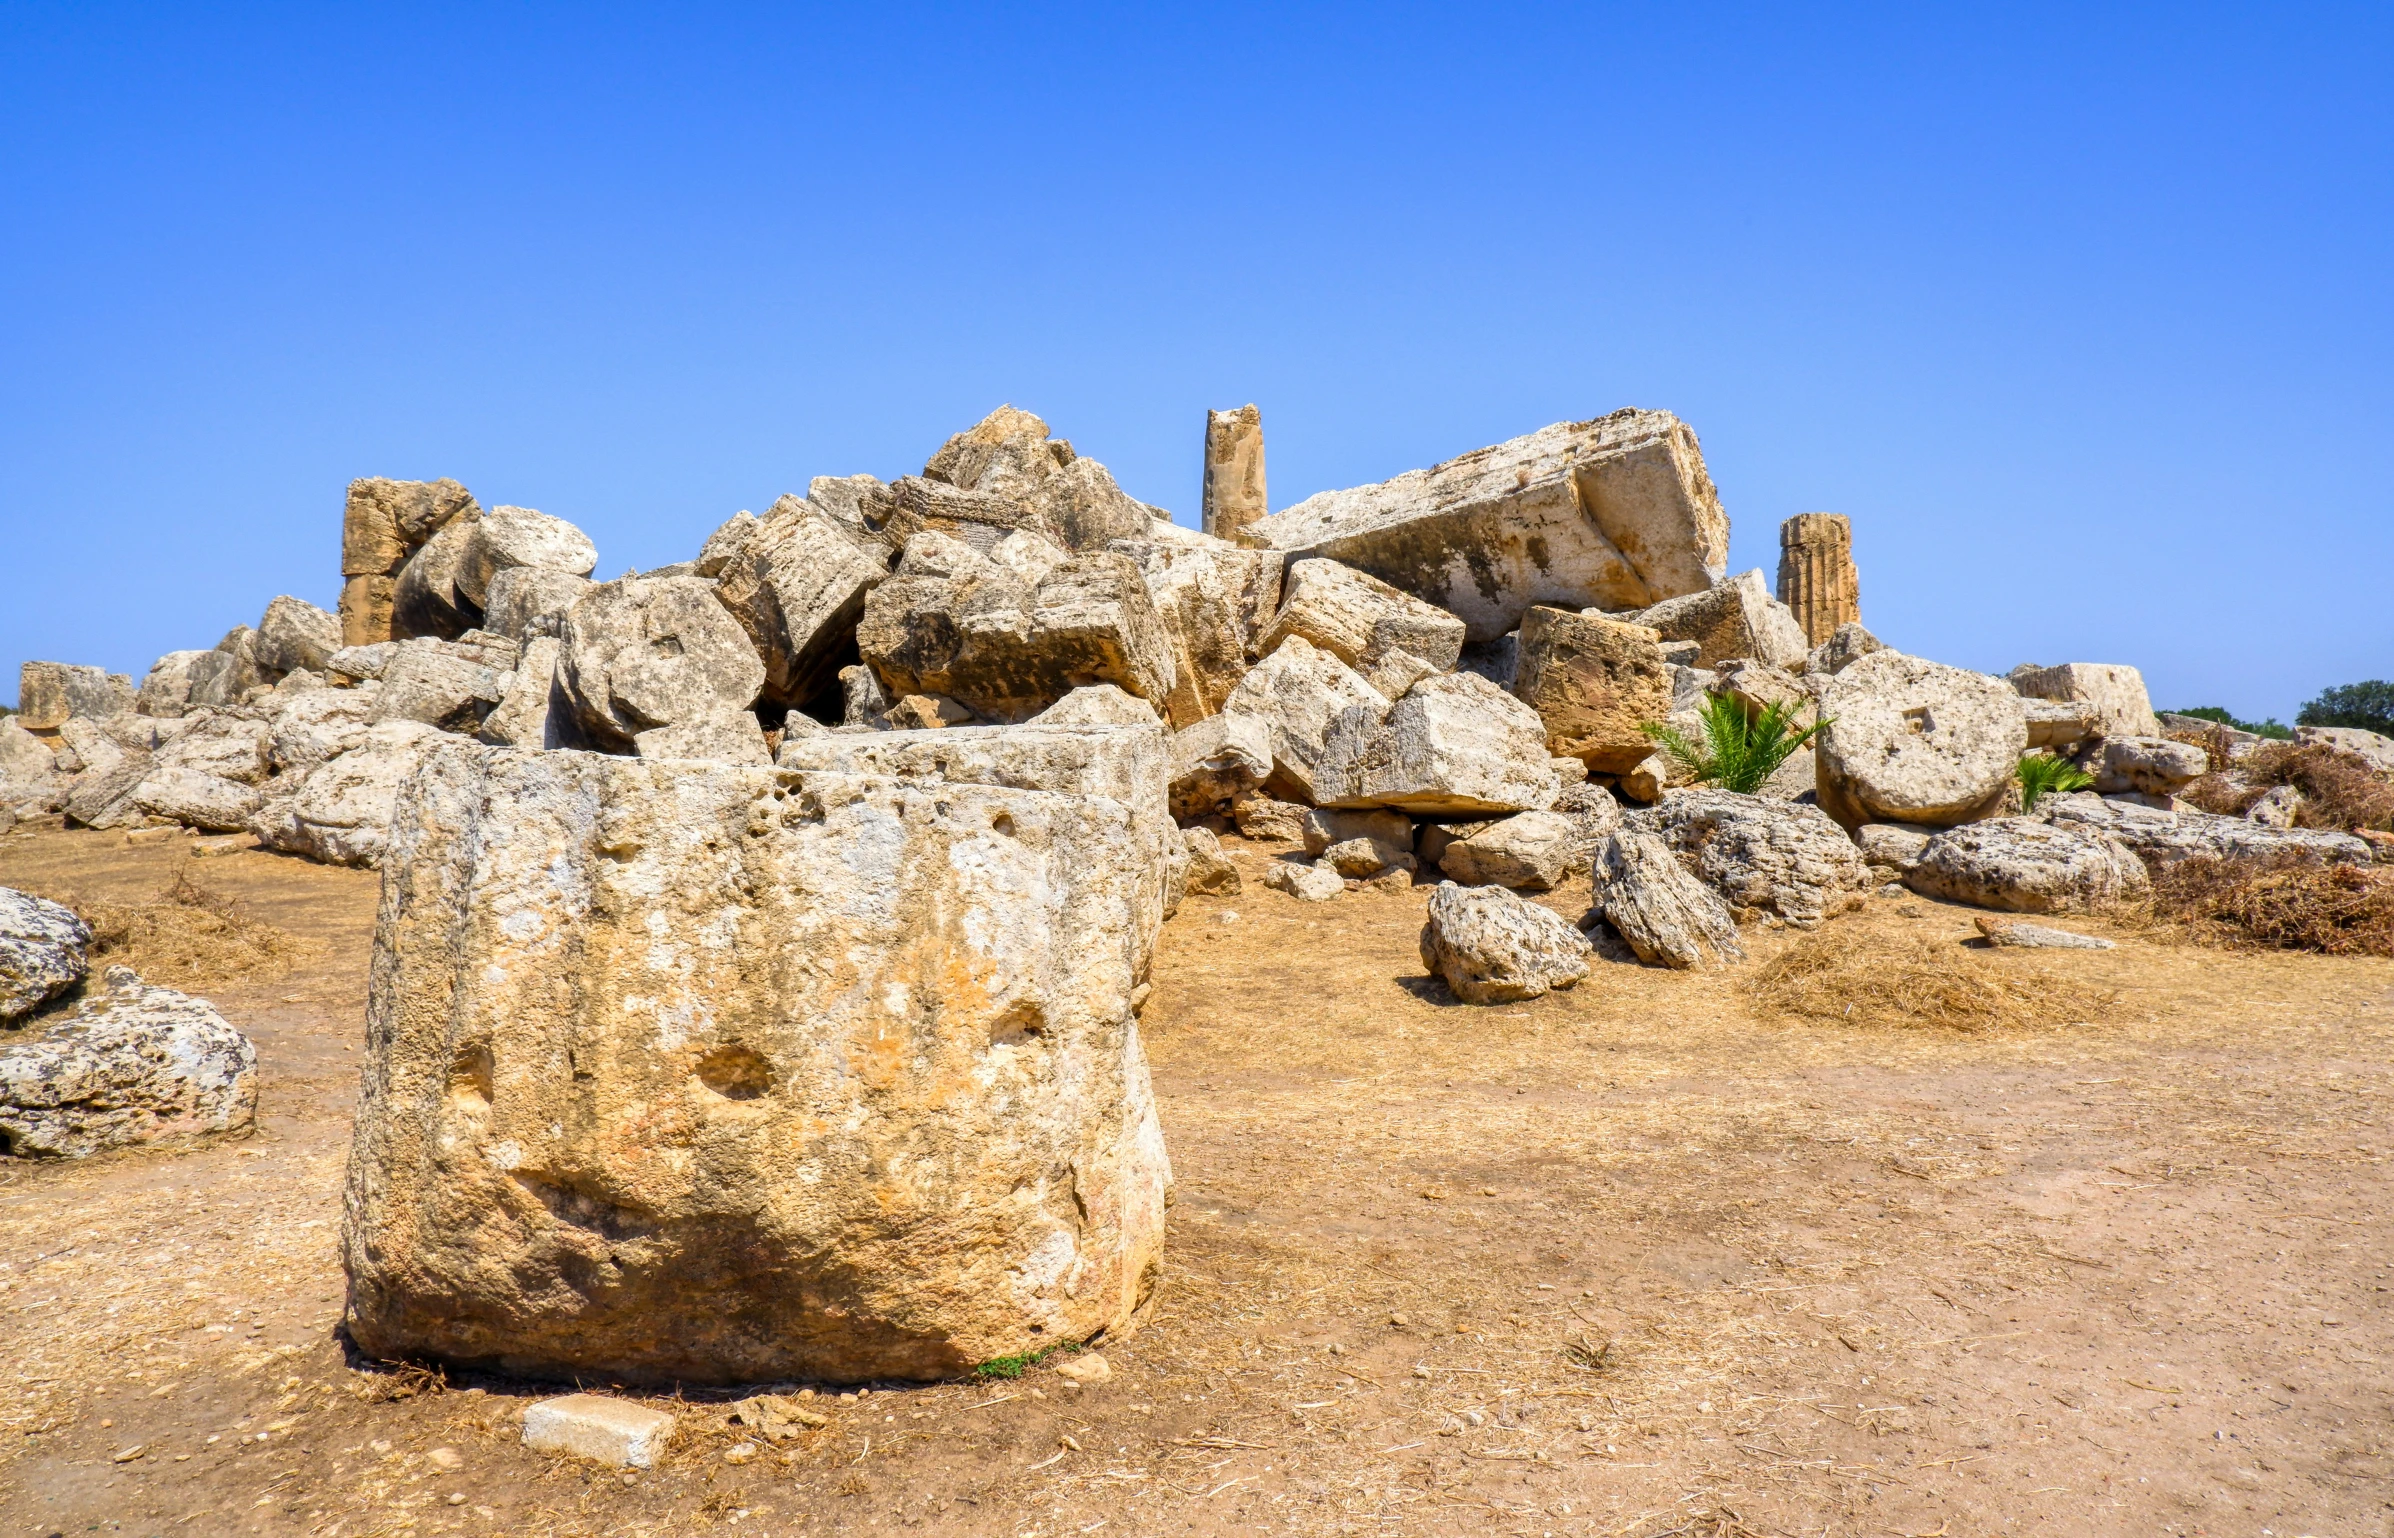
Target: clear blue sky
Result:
[[2081, 314]]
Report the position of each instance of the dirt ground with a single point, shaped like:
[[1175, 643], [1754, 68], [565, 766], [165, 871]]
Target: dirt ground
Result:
[[1633, 1260]]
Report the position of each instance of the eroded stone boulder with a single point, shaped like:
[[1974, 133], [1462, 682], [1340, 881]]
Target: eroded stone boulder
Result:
[[1218, 762], [1491, 947], [1360, 619], [2372, 748], [2115, 690], [526, 602], [136, 1065], [1613, 513], [891, 1024], [1210, 870], [1532, 852], [2156, 766], [1849, 645], [43, 952], [510, 538], [641, 653], [1667, 916], [2026, 865], [1454, 744], [294, 635], [1769, 855], [319, 726], [1300, 693], [797, 585], [1595, 682], [1738, 618], [1215, 600], [340, 811], [1915, 741], [2164, 837]]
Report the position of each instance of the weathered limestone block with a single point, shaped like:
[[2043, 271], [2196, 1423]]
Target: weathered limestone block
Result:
[[1892, 845], [2156, 766], [43, 952], [1215, 601], [2013, 933], [530, 601], [1916, 741], [236, 746], [657, 651], [2060, 725], [28, 766], [1124, 764], [1302, 694], [954, 624], [166, 691], [1817, 581], [2117, 691], [427, 599], [50, 692], [365, 609], [798, 587], [1098, 705], [863, 702], [1594, 682], [1390, 834], [384, 521], [1533, 851], [105, 799], [85, 747], [294, 635], [2163, 838], [340, 812], [2278, 807], [1305, 880], [1769, 855], [360, 664], [521, 717], [1613, 513], [318, 727], [1360, 619], [2025, 865], [731, 537], [1234, 472], [1849, 645], [889, 1025], [736, 739], [137, 1065], [1666, 915], [1491, 947], [1455, 744], [1739, 618], [1218, 762], [1210, 870], [507, 538], [440, 683], [197, 799], [225, 676], [599, 1429], [2372, 748], [1008, 461]]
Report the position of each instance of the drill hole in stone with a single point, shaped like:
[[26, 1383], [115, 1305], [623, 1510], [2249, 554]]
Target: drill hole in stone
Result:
[[470, 1076], [735, 1073]]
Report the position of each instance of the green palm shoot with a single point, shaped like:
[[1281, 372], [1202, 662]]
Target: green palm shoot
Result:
[[1739, 751], [2044, 774]]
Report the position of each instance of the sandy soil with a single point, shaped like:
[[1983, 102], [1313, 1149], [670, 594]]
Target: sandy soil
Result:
[[1633, 1260]]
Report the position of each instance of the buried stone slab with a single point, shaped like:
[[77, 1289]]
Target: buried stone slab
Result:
[[2024, 936], [889, 1024], [136, 1065], [1491, 947]]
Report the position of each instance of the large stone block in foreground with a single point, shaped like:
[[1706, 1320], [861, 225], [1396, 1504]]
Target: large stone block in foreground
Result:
[[1614, 513], [706, 1072]]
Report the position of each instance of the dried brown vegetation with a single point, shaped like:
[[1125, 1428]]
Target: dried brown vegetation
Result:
[[1869, 977], [186, 936], [2289, 902], [2340, 791]]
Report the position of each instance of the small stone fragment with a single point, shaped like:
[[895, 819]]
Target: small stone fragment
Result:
[[2038, 936], [1304, 881], [614, 1432], [1491, 947]]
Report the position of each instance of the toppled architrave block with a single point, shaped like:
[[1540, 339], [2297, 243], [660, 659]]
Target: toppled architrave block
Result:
[[797, 585], [1530, 851], [646, 652], [1770, 855], [952, 622], [506, 538], [1491, 947], [1454, 744], [1127, 765], [1613, 513], [1300, 693], [48, 693], [1595, 683], [1215, 600], [1360, 619], [2157, 766], [1915, 741], [890, 1023], [2028, 866], [135, 1065], [43, 952], [614, 1432], [1234, 472], [1739, 618], [1817, 581], [426, 600], [2117, 691], [1666, 915], [294, 634]]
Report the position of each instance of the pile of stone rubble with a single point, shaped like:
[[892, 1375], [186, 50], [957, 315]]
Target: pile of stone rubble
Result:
[[763, 936]]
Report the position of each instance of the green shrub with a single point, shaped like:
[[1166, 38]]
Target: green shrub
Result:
[[2369, 706], [2044, 774], [2272, 727], [1739, 751]]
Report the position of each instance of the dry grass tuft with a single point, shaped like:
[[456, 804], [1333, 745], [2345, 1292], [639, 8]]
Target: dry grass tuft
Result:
[[2340, 791], [1854, 976], [187, 936], [2289, 902]]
